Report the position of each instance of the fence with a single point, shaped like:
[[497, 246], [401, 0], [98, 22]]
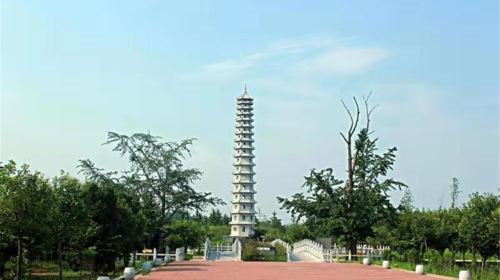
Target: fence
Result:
[[317, 251], [312, 248], [284, 244], [220, 252], [365, 251]]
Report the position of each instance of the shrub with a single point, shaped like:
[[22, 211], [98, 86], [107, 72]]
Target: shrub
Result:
[[386, 255], [251, 253]]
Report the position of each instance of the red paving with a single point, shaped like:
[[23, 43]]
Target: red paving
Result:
[[226, 270]]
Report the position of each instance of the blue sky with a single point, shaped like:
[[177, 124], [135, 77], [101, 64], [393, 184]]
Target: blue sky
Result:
[[72, 71]]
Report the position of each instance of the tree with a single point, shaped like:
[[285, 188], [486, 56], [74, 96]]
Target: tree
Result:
[[350, 209], [406, 203], [25, 206], [480, 224], [296, 232], [71, 222], [275, 223], [158, 175], [118, 223], [454, 192], [215, 217], [184, 233]]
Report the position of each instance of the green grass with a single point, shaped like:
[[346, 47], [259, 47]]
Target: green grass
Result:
[[491, 272]]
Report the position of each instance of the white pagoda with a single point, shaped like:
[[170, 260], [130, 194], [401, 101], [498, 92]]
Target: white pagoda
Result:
[[243, 203]]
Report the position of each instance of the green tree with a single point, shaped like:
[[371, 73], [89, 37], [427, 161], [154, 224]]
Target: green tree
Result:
[[118, 223], [184, 233], [158, 175], [350, 209], [454, 192], [71, 222], [296, 232], [215, 217], [26, 201], [480, 224], [406, 203]]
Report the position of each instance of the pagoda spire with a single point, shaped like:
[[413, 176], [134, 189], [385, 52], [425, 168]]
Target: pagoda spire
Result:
[[245, 94]]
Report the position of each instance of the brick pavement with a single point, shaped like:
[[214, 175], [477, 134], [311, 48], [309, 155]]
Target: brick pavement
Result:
[[202, 270]]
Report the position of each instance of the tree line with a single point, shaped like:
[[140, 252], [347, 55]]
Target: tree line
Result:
[[92, 222], [358, 209]]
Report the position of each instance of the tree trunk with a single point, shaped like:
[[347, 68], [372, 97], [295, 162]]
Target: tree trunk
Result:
[[2, 268], [80, 264], [351, 246], [19, 258], [60, 258]]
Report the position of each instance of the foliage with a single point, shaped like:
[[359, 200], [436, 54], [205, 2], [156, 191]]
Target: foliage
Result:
[[185, 233], [297, 232], [157, 175], [250, 252], [216, 233], [25, 209], [352, 208], [454, 192], [480, 224], [326, 204]]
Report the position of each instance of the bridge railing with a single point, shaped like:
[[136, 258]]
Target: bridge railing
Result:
[[284, 244], [313, 248], [318, 252], [365, 251]]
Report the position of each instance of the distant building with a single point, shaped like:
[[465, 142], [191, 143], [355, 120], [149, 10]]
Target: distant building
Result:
[[243, 202]]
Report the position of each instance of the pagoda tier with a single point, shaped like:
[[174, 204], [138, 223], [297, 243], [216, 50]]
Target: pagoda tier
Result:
[[243, 201]]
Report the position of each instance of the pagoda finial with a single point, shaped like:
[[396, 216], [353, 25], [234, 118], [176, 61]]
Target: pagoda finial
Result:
[[245, 94]]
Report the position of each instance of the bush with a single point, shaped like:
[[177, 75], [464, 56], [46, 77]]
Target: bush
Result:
[[412, 256], [386, 255], [250, 252]]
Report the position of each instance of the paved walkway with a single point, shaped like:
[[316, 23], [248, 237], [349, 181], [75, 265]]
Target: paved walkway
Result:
[[303, 257], [203, 270]]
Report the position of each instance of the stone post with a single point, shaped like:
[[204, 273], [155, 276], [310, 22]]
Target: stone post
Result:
[[464, 275], [167, 256], [206, 253], [129, 273], [179, 254], [419, 269], [238, 250]]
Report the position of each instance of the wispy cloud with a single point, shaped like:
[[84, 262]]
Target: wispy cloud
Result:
[[343, 61], [233, 67], [316, 55]]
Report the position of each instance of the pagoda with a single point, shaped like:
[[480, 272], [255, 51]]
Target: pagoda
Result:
[[243, 202]]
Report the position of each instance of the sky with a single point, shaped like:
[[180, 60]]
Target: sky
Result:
[[72, 71]]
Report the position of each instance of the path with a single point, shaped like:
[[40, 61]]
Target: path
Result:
[[302, 257], [203, 270]]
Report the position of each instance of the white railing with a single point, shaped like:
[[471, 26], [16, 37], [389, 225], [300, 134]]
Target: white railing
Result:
[[364, 251], [284, 244], [312, 248], [317, 251], [219, 251]]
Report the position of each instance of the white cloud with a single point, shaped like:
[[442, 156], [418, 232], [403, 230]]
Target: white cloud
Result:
[[343, 61], [234, 67]]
